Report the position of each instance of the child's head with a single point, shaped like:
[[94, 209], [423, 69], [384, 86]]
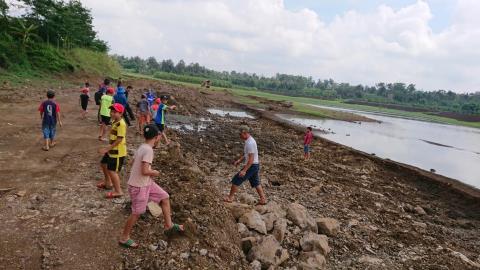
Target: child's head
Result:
[[129, 88], [150, 132], [164, 99], [87, 84], [119, 83], [143, 96], [309, 128], [110, 91], [106, 82], [116, 111], [158, 101], [50, 94]]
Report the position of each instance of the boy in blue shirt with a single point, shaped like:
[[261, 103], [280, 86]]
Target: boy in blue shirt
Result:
[[160, 117], [50, 115]]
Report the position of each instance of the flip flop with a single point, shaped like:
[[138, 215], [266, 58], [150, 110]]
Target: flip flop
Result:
[[110, 195], [260, 203], [174, 229], [104, 186], [45, 149], [227, 200], [128, 244]]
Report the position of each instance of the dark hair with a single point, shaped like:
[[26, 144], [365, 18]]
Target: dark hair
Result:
[[309, 128], [129, 87], [106, 81], [143, 96], [150, 131], [50, 94], [87, 84], [119, 83]]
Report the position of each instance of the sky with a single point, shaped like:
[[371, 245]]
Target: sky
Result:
[[433, 44]]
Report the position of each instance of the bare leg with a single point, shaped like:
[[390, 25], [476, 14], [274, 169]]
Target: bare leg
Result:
[[107, 180], [261, 194], [230, 196], [167, 215], [165, 138], [47, 144], [132, 219], [115, 179]]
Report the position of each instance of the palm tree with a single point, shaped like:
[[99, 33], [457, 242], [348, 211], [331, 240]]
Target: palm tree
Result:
[[26, 33]]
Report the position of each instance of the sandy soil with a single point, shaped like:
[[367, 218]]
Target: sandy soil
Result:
[[63, 222]]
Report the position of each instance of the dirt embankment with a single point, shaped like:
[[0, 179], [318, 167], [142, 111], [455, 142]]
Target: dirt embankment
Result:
[[389, 217]]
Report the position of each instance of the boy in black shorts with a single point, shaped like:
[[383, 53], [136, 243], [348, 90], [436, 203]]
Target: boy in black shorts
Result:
[[114, 154], [84, 99]]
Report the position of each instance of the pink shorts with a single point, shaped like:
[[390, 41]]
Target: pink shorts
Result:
[[140, 196]]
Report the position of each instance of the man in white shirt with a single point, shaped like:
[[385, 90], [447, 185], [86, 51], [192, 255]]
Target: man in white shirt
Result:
[[250, 170]]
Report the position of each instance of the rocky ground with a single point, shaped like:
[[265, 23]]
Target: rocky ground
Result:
[[341, 210]]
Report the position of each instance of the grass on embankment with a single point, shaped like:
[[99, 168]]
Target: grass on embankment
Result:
[[300, 104], [74, 62]]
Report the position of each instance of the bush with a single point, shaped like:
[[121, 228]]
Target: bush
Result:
[[190, 79]]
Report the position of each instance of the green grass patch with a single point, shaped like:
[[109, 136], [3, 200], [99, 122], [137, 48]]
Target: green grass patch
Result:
[[301, 104]]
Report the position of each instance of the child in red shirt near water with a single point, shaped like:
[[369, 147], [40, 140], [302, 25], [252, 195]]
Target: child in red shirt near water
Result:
[[307, 140]]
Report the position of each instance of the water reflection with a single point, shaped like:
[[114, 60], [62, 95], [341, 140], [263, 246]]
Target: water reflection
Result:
[[450, 150]]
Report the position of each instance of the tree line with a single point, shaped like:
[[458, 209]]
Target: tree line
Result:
[[385, 93], [45, 28]]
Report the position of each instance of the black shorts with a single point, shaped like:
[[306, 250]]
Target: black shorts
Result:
[[105, 120], [84, 102], [252, 176], [114, 164], [161, 127]]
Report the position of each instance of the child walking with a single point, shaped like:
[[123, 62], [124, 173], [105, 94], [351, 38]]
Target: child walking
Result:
[[160, 117], [143, 189], [307, 140], [50, 115], [114, 154], [105, 104], [143, 112], [84, 99]]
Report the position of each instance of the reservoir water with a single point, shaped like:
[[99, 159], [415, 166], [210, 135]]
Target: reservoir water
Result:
[[452, 151]]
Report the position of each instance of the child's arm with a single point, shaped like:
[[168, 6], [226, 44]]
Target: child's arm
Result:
[[147, 170], [105, 150], [59, 119]]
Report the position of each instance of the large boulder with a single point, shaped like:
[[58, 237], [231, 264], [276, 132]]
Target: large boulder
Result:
[[238, 209], [279, 229], [328, 226], [269, 219], [246, 198], [268, 252], [271, 207], [315, 242], [299, 215], [254, 221], [312, 261]]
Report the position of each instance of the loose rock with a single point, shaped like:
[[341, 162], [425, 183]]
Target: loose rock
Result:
[[328, 226], [299, 215], [312, 261], [268, 252], [315, 242], [279, 229], [254, 221]]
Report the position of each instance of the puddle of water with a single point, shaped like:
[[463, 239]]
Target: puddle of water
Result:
[[230, 112], [189, 127]]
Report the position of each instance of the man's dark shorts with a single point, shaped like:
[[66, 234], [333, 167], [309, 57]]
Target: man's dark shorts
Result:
[[105, 120], [252, 176], [114, 164], [161, 127]]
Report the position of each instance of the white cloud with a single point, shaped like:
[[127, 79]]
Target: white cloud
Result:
[[265, 37]]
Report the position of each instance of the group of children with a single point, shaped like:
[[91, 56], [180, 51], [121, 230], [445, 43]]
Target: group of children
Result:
[[141, 187]]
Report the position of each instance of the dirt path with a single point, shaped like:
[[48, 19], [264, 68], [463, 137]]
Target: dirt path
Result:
[[63, 222]]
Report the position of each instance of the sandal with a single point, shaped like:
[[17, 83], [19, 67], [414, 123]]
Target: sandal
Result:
[[111, 195], [45, 148], [53, 145], [128, 244], [227, 200], [174, 229], [102, 185]]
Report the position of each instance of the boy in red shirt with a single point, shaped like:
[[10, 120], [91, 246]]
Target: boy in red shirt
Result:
[[307, 140], [84, 99], [50, 115]]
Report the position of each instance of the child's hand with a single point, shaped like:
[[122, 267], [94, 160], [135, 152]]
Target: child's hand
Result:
[[173, 107], [60, 123], [155, 173], [103, 151], [235, 163]]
